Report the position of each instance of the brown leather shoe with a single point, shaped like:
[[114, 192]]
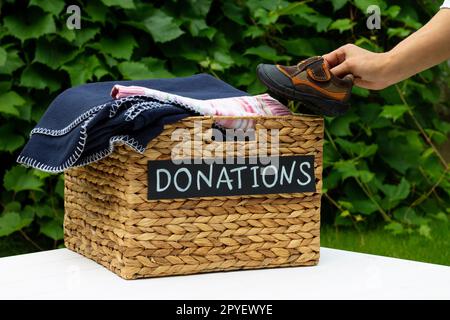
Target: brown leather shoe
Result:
[[311, 83]]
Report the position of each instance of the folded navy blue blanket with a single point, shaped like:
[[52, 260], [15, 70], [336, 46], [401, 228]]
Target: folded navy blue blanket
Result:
[[82, 124]]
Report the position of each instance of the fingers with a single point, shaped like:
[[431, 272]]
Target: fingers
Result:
[[335, 57], [341, 70]]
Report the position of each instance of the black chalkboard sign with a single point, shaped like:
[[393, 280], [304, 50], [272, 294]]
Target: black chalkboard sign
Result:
[[246, 176]]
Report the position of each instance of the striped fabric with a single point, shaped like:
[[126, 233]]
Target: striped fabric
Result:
[[243, 106]]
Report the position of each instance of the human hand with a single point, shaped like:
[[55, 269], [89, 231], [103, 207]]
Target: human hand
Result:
[[370, 70]]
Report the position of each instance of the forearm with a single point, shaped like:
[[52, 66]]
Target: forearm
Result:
[[425, 48]]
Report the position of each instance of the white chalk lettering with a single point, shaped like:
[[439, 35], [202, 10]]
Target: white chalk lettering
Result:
[[207, 180], [274, 174], [175, 180], [284, 175], [158, 179], [255, 176], [308, 177], [227, 180], [238, 170]]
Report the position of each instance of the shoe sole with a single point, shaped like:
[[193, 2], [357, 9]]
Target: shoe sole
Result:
[[322, 106]]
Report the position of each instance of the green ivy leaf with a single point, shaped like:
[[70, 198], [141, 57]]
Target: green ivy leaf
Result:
[[390, 95], [185, 49], [410, 22], [9, 102], [266, 53], [59, 189], [126, 4], [84, 35], [233, 12], [364, 4], [12, 206], [340, 126], [44, 211], [53, 54], [162, 27], [269, 5], [97, 11], [5, 86], [338, 4], [38, 76], [67, 34], [11, 222], [359, 149], [393, 112], [431, 93], [442, 126], [199, 28], [398, 32], [253, 32], [331, 180], [79, 37], [52, 229], [409, 216], [30, 26], [347, 169], [392, 12], [82, 69], [365, 176], [265, 17], [139, 70], [19, 179], [294, 8], [370, 119], [199, 8], [399, 152], [41, 174], [364, 206], [436, 136], [305, 15], [298, 47], [256, 87], [221, 61], [51, 6], [396, 192], [10, 141], [342, 25], [3, 56], [360, 92], [330, 154], [12, 63], [120, 46]]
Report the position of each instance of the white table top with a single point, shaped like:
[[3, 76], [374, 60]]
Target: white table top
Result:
[[62, 274]]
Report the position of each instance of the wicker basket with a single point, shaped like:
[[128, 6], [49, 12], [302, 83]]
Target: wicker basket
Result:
[[109, 219]]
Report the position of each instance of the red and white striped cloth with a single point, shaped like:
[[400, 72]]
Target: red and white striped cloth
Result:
[[262, 104]]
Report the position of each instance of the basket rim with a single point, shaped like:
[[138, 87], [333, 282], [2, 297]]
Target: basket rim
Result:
[[259, 117]]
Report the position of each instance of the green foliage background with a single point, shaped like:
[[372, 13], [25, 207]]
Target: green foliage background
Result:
[[381, 165]]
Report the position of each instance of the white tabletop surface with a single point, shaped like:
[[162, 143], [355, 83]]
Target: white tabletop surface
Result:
[[62, 274]]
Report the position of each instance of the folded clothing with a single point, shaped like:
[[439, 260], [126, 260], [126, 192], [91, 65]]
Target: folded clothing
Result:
[[83, 123], [242, 106]]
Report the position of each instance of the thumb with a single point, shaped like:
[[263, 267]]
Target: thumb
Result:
[[341, 70]]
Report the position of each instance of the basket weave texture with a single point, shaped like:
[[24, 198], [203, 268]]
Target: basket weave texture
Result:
[[109, 219]]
